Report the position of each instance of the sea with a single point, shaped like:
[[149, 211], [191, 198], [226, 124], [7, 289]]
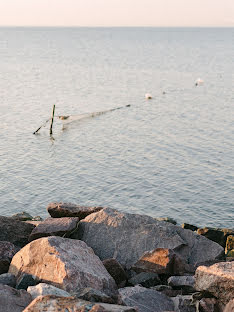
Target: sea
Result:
[[169, 156]]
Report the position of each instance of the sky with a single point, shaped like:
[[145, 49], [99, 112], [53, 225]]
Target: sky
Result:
[[117, 13]]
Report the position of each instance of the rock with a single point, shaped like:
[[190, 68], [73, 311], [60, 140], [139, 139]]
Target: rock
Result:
[[183, 304], [230, 306], [188, 226], [54, 304], [161, 287], [216, 235], [65, 263], [94, 295], [145, 299], [8, 279], [12, 300], [145, 279], [44, 289], [217, 279], [36, 223], [54, 227], [116, 271], [208, 305], [166, 219], [7, 251], [182, 282], [161, 261], [16, 232], [229, 244], [25, 281], [37, 218], [58, 210], [124, 230], [22, 216]]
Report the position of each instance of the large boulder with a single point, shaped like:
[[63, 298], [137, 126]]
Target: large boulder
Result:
[[124, 236], [54, 304], [65, 263], [230, 306], [16, 232], [217, 280], [12, 300], [58, 210], [54, 227], [7, 251], [145, 299]]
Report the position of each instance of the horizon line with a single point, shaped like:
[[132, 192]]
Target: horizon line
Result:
[[115, 26]]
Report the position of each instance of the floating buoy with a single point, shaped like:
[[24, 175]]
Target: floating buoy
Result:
[[199, 82], [148, 96]]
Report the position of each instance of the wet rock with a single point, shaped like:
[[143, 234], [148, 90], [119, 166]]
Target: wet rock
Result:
[[94, 295], [116, 271], [124, 230], [65, 263], [217, 279], [37, 218], [12, 300], [22, 216], [182, 282], [166, 219], [16, 232], [216, 235], [229, 244], [183, 304], [208, 305], [145, 279], [230, 306], [58, 210], [54, 227], [145, 299], [44, 289], [8, 279], [188, 226], [161, 261], [25, 281], [7, 251], [54, 304]]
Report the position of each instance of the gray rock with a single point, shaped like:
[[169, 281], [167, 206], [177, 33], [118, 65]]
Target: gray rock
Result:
[[16, 232], [217, 235], [230, 306], [145, 299], [208, 305], [58, 210], [161, 287], [54, 227], [94, 295], [217, 279], [185, 282], [124, 230], [65, 263], [26, 280], [12, 300], [145, 279], [7, 251], [166, 219], [22, 216], [116, 271], [8, 279], [44, 289], [183, 304], [54, 304], [188, 226]]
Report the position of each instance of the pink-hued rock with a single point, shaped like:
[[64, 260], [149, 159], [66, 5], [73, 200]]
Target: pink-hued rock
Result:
[[230, 306], [16, 232], [217, 279], [126, 237], [12, 300], [54, 304], [54, 227], [65, 263], [58, 210], [7, 251]]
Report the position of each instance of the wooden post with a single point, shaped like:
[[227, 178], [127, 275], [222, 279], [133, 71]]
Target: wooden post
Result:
[[52, 120]]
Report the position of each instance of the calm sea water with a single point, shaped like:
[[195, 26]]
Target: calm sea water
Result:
[[170, 156]]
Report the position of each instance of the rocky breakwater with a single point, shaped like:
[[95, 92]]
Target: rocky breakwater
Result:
[[99, 259]]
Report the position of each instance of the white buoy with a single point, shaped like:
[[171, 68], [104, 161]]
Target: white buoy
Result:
[[199, 82], [148, 96]]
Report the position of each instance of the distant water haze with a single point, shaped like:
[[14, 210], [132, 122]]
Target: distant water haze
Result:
[[172, 155]]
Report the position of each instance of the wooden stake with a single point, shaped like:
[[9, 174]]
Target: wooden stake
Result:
[[52, 120]]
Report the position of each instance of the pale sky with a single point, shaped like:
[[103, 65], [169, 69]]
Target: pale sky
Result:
[[117, 13]]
